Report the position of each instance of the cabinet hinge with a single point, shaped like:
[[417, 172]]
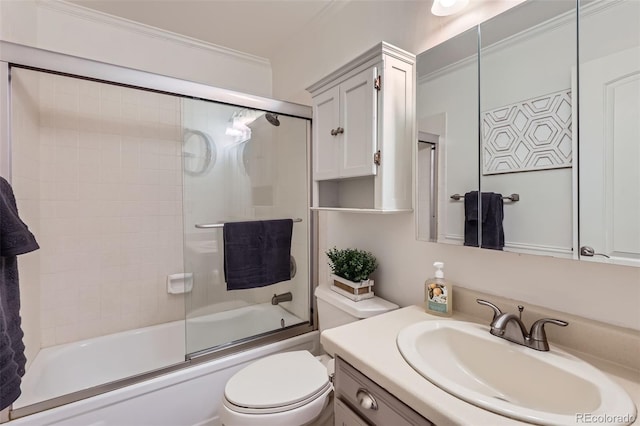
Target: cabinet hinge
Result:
[[377, 82], [376, 158]]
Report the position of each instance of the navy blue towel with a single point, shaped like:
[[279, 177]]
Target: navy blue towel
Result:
[[9, 378], [491, 219], [471, 219], [15, 239], [257, 253]]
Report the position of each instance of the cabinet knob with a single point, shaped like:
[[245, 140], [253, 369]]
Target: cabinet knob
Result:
[[366, 400], [333, 132], [339, 130], [590, 252]]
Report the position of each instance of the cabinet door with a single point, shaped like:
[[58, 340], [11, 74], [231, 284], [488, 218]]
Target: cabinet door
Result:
[[326, 146], [358, 112]]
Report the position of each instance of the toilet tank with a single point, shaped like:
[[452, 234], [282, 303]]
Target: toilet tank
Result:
[[335, 310]]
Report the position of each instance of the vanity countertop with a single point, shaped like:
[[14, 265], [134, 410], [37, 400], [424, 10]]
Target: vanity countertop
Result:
[[370, 346]]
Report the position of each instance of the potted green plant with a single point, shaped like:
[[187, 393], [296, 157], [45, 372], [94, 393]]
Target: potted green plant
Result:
[[350, 272]]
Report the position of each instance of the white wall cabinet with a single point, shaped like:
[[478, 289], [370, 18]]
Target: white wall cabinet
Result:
[[326, 116], [364, 132], [345, 141]]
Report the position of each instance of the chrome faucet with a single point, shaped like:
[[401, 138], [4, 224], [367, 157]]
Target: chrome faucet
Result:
[[536, 339], [284, 297]]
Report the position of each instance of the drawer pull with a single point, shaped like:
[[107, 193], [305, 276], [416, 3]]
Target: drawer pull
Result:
[[366, 400]]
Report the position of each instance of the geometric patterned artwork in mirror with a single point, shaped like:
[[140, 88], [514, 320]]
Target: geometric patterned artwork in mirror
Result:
[[528, 135]]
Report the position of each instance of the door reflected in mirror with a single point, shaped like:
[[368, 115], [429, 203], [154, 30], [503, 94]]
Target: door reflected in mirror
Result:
[[447, 113], [609, 156], [428, 150]]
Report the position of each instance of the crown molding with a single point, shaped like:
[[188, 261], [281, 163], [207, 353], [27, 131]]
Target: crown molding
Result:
[[377, 52], [95, 16]]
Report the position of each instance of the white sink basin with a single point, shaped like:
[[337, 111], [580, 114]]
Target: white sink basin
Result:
[[551, 388]]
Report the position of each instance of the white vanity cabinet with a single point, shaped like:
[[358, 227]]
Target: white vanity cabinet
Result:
[[364, 132]]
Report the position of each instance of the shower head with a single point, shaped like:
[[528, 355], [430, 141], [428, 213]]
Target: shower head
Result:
[[272, 118]]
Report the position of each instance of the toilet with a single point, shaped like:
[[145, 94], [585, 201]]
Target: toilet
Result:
[[293, 388]]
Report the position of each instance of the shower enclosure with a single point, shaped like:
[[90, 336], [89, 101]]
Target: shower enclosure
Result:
[[127, 185], [241, 166]]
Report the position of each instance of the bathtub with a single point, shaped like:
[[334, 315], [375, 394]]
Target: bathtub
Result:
[[188, 396], [207, 330]]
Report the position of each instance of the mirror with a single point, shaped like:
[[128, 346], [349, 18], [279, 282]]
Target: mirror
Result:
[[527, 58], [516, 138], [447, 122], [609, 151]]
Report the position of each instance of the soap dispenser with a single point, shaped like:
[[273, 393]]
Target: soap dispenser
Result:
[[437, 293]]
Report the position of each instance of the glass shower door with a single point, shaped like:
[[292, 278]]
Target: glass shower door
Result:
[[240, 164], [96, 172]]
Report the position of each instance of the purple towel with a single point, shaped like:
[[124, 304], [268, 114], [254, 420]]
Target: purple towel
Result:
[[15, 239], [257, 253]]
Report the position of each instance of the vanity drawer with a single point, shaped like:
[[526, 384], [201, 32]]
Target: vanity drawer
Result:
[[370, 401]]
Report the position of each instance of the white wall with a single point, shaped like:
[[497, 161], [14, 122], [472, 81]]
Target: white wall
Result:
[[74, 30], [560, 284]]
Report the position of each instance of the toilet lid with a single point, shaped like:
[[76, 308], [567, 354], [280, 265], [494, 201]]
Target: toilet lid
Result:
[[277, 380]]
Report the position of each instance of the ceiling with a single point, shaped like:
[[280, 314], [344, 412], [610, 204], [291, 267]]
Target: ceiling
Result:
[[257, 27]]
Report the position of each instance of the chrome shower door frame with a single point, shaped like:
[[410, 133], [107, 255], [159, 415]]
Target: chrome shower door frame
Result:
[[20, 56]]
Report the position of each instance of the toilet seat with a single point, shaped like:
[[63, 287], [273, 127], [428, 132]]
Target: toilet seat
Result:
[[277, 383]]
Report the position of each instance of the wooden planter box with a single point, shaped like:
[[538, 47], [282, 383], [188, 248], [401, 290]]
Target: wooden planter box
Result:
[[355, 291]]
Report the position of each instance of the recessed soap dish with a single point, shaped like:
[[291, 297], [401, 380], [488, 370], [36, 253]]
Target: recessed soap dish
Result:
[[180, 283]]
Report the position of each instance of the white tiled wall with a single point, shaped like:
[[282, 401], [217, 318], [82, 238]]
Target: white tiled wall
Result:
[[110, 208], [25, 180]]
